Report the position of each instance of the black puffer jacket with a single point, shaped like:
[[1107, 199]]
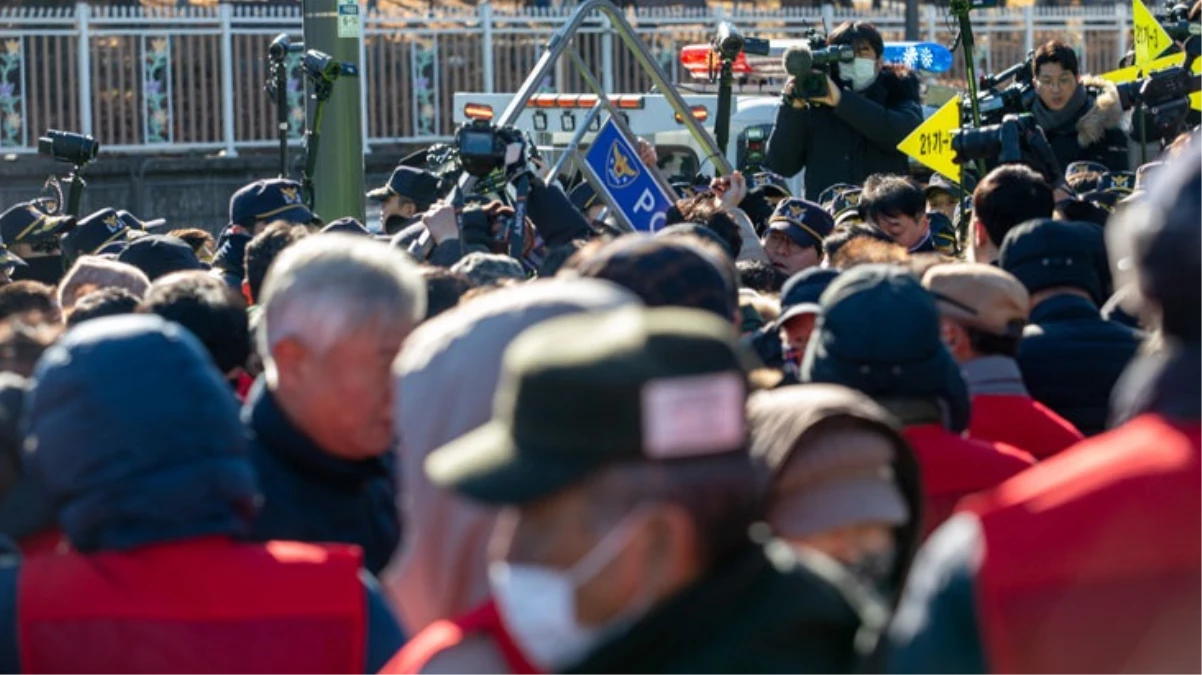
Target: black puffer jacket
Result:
[[1071, 359], [852, 141]]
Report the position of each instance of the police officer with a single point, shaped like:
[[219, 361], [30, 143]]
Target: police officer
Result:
[[407, 193]]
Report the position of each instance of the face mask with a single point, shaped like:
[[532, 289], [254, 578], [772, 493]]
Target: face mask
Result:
[[46, 269], [538, 603], [863, 73]]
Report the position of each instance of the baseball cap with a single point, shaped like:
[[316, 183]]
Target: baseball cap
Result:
[[579, 392], [1078, 168], [159, 255], [270, 199], [806, 223], [907, 360], [583, 196], [1103, 199], [414, 184], [845, 202], [940, 182], [771, 185], [828, 195], [24, 223], [94, 232], [979, 295], [137, 224], [1122, 182], [801, 293]]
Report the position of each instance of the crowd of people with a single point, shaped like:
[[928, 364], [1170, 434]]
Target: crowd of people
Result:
[[884, 426]]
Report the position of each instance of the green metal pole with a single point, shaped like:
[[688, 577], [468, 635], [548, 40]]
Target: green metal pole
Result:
[[336, 27]]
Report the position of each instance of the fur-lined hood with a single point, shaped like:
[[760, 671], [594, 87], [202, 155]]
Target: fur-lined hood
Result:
[[1104, 113]]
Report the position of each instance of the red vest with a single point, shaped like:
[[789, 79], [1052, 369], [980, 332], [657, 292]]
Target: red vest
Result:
[[202, 605], [1092, 560], [446, 634], [1022, 422], [953, 467]]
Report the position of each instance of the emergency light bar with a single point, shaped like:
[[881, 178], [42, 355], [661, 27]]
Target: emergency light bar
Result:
[[563, 102], [701, 61]]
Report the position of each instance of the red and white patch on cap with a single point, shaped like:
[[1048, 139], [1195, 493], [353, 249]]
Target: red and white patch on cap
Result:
[[694, 416]]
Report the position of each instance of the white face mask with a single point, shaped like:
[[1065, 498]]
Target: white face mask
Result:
[[538, 603], [863, 73]]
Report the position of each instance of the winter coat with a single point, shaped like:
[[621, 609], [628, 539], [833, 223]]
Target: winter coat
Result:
[[448, 374], [954, 467], [310, 495], [1071, 358], [852, 141], [1095, 134], [1004, 412], [135, 485]]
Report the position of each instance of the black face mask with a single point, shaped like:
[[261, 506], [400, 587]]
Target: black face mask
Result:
[[46, 269]]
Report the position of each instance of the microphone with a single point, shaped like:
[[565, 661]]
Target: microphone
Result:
[[729, 42], [797, 61]]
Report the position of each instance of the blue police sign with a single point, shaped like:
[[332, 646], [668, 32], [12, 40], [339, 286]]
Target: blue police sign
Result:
[[629, 184]]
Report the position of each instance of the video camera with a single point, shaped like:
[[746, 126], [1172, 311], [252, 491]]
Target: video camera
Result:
[[324, 70], [1176, 23], [728, 42], [68, 147], [281, 47], [995, 101], [1164, 97], [483, 147], [1017, 139], [810, 64]]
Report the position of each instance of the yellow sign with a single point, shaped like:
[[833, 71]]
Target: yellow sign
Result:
[[1132, 73], [1150, 38], [931, 143]]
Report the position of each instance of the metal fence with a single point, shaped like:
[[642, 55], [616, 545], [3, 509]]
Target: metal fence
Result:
[[190, 79]]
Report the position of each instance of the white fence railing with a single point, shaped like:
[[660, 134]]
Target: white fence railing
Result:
[[191, 79]]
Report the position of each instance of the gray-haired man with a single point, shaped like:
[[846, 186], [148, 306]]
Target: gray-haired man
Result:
[[336, 309]]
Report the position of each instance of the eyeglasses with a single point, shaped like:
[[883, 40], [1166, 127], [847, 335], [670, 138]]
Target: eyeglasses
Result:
[[1063, 82]]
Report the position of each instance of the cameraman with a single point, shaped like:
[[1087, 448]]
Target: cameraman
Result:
[[1081, 118], [853, 131], [552, 221]]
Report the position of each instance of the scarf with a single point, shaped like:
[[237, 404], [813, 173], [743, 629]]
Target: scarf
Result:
[[993, 375], [1051, 120]]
